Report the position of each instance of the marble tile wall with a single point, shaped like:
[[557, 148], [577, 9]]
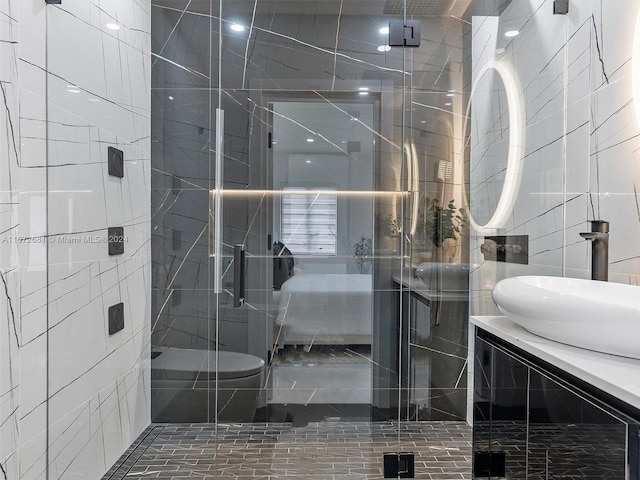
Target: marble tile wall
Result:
[[576, 77], [70, 393], [10, 333]]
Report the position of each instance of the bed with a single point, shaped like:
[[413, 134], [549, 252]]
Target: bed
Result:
[[326, 309]]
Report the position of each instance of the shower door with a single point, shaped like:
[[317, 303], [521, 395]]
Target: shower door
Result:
[[313, 197], [298, 155]]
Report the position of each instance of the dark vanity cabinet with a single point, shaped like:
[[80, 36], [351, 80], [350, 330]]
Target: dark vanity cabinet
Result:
[[532, 422], [436, 333]]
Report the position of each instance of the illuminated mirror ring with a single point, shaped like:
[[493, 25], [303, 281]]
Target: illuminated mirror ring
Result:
[[513, 173]]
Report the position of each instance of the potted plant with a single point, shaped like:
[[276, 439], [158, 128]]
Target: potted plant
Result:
[[393, 225], [362, 251], [443, 222]]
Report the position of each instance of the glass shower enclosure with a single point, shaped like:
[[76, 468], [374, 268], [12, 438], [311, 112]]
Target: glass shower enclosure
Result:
[[302, 169]]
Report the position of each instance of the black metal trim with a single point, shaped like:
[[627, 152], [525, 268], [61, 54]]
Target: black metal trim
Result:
[[238, 275]]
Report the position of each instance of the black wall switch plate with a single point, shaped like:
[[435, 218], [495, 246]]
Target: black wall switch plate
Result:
[[399, 465], [116, 162], [560, 7], [116, 318], [116, 240]]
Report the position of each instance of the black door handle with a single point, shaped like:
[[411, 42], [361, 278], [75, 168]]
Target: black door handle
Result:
[[238, 275]]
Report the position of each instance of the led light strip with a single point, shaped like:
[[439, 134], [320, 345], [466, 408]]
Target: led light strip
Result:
[[515, 158]]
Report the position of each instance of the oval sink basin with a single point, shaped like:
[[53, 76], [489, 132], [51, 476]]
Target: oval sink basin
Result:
[[599, 316], [446, 277]]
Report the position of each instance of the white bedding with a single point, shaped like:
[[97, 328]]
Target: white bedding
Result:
[[328, 309]]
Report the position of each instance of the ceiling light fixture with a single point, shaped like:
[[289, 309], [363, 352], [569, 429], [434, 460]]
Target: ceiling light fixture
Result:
[[511, 33], [384, 30], [310, 140], [113, 26], [384, 48], [237, 27]]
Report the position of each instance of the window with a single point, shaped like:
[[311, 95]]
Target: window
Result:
[[309, 220]]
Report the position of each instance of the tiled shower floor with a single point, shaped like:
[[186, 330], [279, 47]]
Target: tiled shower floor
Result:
[[318, 451]]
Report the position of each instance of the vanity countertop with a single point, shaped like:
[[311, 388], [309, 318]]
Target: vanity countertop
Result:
[[618, 376]]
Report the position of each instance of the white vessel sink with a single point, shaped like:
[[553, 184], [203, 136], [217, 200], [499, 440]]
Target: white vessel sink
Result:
[[446, 277], [599, 316]]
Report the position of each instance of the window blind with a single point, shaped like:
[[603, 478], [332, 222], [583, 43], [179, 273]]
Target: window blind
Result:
[[309, 220]]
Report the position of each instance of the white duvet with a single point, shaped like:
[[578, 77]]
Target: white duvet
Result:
[[326, 309]]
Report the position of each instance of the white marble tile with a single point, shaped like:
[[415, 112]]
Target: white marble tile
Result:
[[577, 148], [578, 51], [92, 437], [33, 386], [33, 460], [613, 31], [33, 20], [10, 388]]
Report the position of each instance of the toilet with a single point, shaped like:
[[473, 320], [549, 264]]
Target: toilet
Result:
[[183, 385]]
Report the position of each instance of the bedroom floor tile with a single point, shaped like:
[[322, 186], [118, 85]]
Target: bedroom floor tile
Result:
[[318, 451]]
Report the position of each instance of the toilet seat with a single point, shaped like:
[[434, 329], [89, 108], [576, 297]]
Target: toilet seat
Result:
[[191, 364]]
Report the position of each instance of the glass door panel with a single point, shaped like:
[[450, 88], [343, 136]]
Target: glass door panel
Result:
[[183, 129], [312, 188]]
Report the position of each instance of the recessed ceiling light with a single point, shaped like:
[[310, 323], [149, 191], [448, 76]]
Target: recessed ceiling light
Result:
[[72, 89], [170, 97], [511, 33], [450, 94], [310, 140], [384, 48], [237, 28], [308, 161], [364, 93], [384, 30], [448, 104], [423, 121], [274, 142], [113, 26], [94, 100], [364, 89]]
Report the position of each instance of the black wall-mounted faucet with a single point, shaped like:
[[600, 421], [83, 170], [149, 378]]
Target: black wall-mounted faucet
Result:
[[599, 237]]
